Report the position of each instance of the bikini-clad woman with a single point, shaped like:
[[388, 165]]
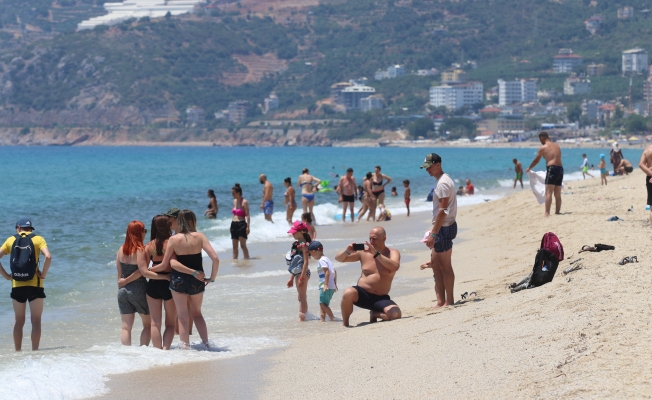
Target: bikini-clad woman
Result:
[[212, 205], [371, 197], [188, 280], [299, 231], [378, 184], [307, 184], [364, 198], [240, 223], [159, 296], [290, 202], [132, 285]]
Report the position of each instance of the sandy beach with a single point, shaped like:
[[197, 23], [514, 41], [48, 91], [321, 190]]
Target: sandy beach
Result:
[[583, 335]]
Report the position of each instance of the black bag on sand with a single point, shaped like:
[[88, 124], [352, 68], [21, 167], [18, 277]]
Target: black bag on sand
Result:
[[545, 267]]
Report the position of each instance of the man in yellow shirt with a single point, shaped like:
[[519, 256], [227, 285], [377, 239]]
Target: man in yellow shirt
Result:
[[30, 290]]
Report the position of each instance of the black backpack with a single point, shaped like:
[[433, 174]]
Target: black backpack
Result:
[[545, 266], [23, 258]]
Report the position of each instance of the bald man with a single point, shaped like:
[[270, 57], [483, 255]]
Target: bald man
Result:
[[267, 205], [379, 265]]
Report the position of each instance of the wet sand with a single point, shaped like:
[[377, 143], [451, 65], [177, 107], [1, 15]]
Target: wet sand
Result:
[[583, 335]]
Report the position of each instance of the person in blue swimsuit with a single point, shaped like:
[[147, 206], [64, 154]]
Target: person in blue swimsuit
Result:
[[603, 170], [308, 184]]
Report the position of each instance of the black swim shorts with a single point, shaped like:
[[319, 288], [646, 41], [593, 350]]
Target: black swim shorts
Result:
[[238, 229], [27, 293], [159, 289], [629, 169], [348, 199], [444, 238], [648, 186], [554, 175], [186, 283], [372, 302]]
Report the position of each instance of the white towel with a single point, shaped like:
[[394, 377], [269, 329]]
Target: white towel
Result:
[[538, 185]]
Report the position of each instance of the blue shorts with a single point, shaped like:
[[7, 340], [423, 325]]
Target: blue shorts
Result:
[[444, 238], [326, 296], [268, 207]]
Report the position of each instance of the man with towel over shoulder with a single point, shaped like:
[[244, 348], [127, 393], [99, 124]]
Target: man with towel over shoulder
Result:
[[554, 171]]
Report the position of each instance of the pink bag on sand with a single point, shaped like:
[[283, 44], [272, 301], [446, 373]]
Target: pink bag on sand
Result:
[[551, 242]]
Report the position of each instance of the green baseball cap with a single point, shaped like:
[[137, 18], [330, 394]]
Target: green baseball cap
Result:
[[431, 158], [173, 212]]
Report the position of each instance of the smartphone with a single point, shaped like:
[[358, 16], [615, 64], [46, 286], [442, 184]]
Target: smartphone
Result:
[[358, 246]]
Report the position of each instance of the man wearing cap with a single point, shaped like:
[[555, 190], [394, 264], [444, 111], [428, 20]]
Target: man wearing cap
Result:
[[379, 265], [444, 230], [554, 170], [267, 204], [172, 215], [27, 291]]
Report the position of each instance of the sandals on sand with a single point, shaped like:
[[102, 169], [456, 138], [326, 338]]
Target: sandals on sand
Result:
[[628, 260]]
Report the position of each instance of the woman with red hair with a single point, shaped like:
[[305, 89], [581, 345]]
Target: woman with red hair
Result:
[[132, 285]]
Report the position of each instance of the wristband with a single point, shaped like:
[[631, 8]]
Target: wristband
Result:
[[194, 273], [377, 254], [432, 234], [347, 253]]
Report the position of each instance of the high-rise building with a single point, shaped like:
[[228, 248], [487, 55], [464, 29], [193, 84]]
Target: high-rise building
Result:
[[634, 61], [375, 102], [352, 95], [516, 91], [456, 96], [566, 61]]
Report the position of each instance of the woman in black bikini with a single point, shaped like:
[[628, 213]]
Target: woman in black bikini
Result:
[[188, 280], [378, 187], [158, 286], [240, 222], [212, 205]]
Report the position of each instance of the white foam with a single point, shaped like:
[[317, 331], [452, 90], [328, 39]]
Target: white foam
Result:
[[83, 374], [254, 275], [568, 177]]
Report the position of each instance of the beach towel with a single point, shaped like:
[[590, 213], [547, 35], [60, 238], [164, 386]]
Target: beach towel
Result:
[[538, 185]]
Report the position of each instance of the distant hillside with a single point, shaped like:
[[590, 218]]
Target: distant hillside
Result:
[[143, 71]]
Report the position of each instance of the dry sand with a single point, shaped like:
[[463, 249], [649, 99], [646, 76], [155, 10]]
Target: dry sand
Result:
[[583, 335]]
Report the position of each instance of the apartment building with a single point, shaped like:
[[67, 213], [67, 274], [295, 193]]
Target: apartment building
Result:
[[516, 91], [456, 96]]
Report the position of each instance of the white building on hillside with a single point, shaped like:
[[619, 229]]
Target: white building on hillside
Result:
[[634, 61], [456, 96], [566, 61], [120, 12], [516, 91], [352, 95], [575, 85]]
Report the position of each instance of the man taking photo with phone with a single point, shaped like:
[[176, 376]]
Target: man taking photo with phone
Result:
[[379, 265]]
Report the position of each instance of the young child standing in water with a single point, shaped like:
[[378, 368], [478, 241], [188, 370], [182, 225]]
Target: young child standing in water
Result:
[[327, 280], [603, 170]]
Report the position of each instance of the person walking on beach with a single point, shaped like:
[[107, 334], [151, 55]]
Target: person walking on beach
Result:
[[444, 230], [603, 170], [158, 292], [362, 196], [307, 184], [327, 280], [379, 265], [346, 189], [240, 222], [267, 204], [585, 167], [212, 205], [132, 285], [554, 170], [645, 164], [24, 249], [406, 195], [615, 156], [518, 168], [298, 260], [172, 215], [378, 184], [290, 200], [188, 280]]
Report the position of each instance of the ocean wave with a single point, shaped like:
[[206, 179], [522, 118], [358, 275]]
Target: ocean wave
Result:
[[264, 274], [82, 375]]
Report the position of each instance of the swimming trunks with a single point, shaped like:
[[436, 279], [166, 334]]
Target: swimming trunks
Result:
[[24, 294], [407, 201], [629, 169], [131, 297], [238, 229], [372, 302], [519, 176], [648, 186], [326, 296], [444, 238], [268, 207], [309, 197], [348, 199], [554, 175], [585, 169], [186, 283]]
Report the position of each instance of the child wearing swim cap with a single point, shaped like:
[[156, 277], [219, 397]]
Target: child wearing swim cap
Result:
[[603, 170]]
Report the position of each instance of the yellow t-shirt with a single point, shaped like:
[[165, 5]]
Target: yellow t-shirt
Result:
[[39, 243]]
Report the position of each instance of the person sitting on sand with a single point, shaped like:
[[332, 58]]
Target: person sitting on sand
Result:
[[625, 167], [384, 214], [379, 265]]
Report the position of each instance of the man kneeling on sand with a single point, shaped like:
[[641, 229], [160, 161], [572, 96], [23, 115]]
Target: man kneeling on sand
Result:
[[379, 265]]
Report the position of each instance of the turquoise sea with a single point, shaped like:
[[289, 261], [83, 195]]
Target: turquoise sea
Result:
[[82, 198]]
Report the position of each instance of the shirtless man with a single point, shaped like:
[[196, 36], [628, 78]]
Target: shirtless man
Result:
[[346, 189], [518, 168], [267, 205], [379, 265], [646, 166], [625, 167], [554, 171]]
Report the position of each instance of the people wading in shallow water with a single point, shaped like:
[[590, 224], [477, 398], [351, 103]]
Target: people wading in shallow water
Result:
[[378, 183], [212, 205], [308, 183], [300, 274], [240, 222], [290, 201]]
